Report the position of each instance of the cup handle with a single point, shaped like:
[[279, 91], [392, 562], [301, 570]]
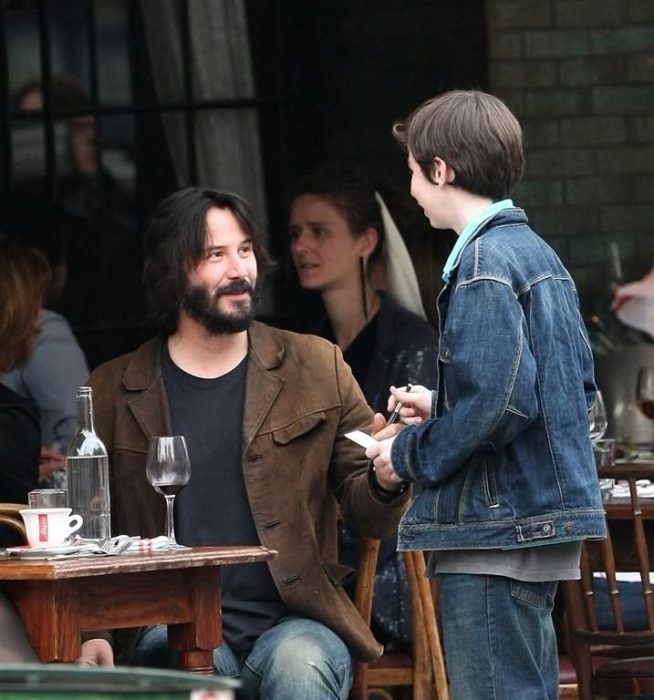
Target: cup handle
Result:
[[74, 523]]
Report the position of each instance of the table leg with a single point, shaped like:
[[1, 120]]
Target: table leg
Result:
[[196, 640]]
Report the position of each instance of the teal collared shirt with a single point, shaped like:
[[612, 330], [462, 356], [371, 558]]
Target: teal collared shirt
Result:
[[478, 220]]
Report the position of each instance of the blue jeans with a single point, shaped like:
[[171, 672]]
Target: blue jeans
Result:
[[499, 638], [296, 658]]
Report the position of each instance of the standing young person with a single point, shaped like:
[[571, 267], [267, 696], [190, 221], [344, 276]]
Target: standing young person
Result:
[[505, 485]]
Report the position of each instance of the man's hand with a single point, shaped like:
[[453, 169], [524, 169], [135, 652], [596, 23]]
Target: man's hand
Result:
[[381, 430], [96, 652], [380, 454], [50, 460]]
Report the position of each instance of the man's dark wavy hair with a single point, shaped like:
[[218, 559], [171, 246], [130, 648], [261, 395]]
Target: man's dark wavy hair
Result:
[[175, 241]]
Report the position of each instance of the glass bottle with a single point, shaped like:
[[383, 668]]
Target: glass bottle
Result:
[[87, 465]]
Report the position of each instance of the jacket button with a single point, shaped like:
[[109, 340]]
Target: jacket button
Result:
[[547, 528], [569, 527]]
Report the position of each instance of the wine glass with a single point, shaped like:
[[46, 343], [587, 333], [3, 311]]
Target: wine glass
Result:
[[598, 421], [168, 470], [597, 425], [645, 393]]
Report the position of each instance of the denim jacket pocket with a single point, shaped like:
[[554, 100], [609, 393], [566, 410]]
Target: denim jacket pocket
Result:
[[300, 427], [490, 484]]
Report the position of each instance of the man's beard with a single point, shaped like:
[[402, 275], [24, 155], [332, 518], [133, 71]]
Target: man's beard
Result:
[[202, 307]]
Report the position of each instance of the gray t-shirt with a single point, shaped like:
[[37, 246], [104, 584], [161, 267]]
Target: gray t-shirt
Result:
[[552, 562]]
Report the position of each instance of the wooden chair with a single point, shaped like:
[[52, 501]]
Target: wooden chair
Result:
[[424, 669], [568, 686], [614, 661], [11, 519]]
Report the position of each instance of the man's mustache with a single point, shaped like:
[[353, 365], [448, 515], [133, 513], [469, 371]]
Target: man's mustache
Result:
[[235, 287]]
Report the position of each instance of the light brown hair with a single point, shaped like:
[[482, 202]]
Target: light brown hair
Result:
[[475, 133], [24, 274]]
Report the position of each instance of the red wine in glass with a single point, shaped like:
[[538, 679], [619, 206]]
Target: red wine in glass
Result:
[[646, 408], [168, 489]]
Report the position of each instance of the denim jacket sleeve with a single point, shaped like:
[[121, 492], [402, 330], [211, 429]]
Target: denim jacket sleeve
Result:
[[488, 377]]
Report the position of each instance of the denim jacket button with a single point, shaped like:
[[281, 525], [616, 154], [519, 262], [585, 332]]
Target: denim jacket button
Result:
[[569, 527], [547, 528]]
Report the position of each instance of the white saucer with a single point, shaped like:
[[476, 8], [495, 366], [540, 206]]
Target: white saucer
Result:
[[26, 552]]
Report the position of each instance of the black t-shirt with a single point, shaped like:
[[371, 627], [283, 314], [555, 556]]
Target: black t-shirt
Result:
[[213, 508], [359, 352]]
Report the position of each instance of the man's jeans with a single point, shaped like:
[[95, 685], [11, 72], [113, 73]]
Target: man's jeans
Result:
[[297, 658], [499, 637]]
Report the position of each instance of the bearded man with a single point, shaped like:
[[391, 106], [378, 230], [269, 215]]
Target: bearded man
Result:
[[264, 413]]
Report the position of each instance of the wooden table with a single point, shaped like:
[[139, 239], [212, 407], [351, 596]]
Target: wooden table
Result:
[[59, 599], [620, 508], [619, 516]]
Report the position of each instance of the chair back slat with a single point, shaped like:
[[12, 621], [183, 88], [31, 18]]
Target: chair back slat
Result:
[[642, 552], [423, 669], [586, 591], [363, 596], [608, 561]]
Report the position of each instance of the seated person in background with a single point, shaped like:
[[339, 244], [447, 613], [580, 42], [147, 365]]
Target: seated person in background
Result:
[[56, 366], [14, 645], [264, 413], [345, 245], [104, 257], [24, 274]]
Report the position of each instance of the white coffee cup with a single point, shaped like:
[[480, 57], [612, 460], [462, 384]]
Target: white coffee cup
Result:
[[49, 527]]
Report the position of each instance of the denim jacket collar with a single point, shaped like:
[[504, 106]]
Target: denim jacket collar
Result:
[[471, 228]]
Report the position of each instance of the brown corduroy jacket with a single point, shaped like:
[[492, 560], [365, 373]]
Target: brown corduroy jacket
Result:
[[300, 471]]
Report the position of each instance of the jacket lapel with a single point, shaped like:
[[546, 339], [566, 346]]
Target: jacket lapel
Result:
[[262, 386], [149, 405]]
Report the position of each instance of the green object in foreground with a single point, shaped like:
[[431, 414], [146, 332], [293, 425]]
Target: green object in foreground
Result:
[[63, 681]]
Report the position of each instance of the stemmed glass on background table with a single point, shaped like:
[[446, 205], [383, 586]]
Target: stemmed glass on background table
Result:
[[598, 418], [168, 469], [645, 396], [603, 450]]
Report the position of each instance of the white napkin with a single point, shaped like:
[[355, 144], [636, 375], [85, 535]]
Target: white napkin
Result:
[[644, 487], [638, 313]]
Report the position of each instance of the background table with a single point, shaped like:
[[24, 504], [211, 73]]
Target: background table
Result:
[[59, 599], [619, 516]]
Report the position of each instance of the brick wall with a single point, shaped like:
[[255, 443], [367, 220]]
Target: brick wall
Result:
[[579, 74]]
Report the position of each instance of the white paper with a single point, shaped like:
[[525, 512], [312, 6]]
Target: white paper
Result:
[[361, 438], [638, 313]]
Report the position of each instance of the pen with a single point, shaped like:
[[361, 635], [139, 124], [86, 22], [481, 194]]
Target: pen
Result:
[[396, 411]]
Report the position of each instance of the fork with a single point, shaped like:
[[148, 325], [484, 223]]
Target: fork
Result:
[[116, 546]]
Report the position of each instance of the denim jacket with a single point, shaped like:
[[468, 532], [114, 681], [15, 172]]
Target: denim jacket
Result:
[[507, 461]]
